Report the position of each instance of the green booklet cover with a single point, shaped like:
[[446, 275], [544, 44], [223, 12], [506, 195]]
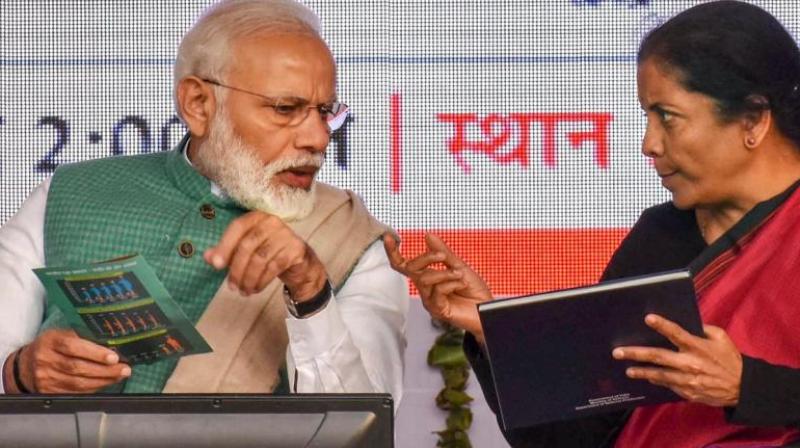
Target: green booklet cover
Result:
[[121, 304]]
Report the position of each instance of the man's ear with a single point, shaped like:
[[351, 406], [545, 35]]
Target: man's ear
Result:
[[757, 122], [196, 104]]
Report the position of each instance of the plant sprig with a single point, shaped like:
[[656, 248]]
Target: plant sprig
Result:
[[447, 355]]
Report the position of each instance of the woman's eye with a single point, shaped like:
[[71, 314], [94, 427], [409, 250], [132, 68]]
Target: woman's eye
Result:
[[665, 116]]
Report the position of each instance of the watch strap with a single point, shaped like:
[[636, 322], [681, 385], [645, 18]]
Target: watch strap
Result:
[[308, 308], [17, 377]]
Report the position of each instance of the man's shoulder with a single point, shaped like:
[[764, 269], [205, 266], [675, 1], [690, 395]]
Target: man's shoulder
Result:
[[331, 199], [112, 173], [330, 192], [664, 238], [335, 201], [116, 162]]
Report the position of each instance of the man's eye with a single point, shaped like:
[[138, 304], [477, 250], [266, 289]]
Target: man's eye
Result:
[[665, 116], [286, 109]]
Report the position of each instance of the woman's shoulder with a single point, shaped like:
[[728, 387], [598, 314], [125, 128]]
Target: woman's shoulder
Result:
[[663, 238], [666, 217]]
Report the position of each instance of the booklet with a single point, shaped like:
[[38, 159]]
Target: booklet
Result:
[[550, 353], [121, 304]]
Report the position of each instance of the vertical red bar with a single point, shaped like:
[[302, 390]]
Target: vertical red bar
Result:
[[396, 143]]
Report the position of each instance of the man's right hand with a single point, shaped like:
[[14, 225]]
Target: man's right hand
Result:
[[60, 361]]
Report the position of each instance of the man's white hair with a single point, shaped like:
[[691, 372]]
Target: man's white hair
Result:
[[205, 50]]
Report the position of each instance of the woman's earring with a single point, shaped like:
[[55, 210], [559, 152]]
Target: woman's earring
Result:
[[750, 142]]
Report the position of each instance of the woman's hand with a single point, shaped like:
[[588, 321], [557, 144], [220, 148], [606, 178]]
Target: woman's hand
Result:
[[452, 294], [704, 370]]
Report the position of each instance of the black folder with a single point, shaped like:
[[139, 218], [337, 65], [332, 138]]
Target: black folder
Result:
[[550, 353]]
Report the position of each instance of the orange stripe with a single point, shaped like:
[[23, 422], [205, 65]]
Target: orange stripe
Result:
[[516, 262]]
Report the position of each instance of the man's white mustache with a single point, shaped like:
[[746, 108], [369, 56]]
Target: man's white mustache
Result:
[[301, 160]]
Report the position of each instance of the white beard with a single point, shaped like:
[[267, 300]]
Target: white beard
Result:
[[233, 166]]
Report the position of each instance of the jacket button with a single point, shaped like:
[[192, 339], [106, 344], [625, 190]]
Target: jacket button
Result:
[[186, 249], [207, 211]]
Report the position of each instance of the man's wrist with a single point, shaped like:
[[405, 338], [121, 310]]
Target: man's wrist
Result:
[[18, 383], [8, 378], [12, 381], [307, 291], [310, 306]]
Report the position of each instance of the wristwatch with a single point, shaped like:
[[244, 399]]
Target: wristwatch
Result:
[[307, 308]]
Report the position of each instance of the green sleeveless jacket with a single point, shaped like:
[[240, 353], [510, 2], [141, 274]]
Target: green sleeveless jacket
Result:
[[156, 205]]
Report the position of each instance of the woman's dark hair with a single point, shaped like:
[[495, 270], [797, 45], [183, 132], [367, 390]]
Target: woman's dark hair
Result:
[[736, 53]]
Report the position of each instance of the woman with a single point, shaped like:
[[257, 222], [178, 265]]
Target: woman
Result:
[[720, 86]]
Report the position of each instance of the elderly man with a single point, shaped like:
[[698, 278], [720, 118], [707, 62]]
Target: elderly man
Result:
[[234, 224]]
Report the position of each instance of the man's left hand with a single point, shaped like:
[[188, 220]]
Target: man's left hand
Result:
[[257, 247], [703, 370]]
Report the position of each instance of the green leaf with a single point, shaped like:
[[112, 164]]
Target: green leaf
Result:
[[453, 438], [446, 355], [455, 377], [459, 418], [455, 397], [455, 337]]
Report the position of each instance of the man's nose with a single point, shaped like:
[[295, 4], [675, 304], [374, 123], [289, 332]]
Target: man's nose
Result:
[[313, 133]]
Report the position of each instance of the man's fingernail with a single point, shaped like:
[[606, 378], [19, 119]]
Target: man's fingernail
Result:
[[631, 372], [112, 358], [618, 353], [218, 261], [126, 371]]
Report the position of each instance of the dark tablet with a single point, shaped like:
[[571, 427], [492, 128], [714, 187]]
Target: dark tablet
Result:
[[551, 353]]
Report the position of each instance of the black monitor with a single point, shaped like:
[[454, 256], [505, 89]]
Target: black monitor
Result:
[[225, 420]]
